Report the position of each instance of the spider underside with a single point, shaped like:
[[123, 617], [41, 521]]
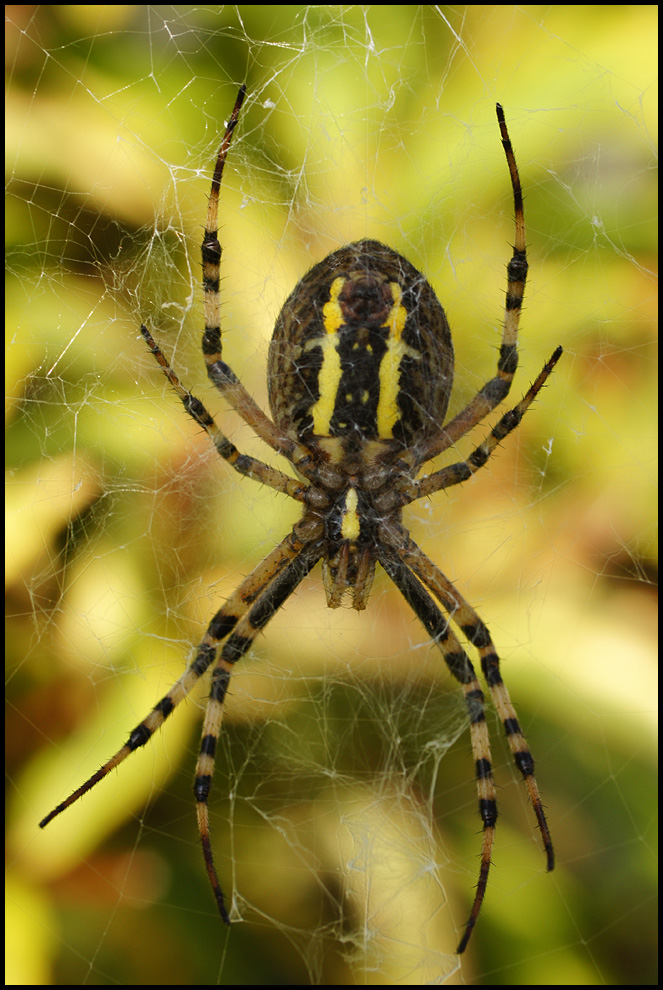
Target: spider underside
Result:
[[360, 373]]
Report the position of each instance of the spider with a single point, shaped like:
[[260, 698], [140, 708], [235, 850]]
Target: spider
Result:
[[360, 372]]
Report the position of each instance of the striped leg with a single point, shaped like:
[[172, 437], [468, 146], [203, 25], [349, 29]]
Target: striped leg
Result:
[[221, 626], [248, 466], [272, 598], [495, 390], [465, 617], [455, 474], [220, 374], [460, 666]]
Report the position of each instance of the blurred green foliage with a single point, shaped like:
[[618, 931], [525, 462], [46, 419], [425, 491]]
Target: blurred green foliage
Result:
[[125, 531]]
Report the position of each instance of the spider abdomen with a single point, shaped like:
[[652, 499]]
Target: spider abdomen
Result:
[[361, 351]]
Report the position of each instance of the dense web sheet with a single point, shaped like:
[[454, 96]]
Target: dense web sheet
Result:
[[343, 809]]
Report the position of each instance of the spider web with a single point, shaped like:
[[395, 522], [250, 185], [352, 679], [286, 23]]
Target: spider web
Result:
[[343, 809]]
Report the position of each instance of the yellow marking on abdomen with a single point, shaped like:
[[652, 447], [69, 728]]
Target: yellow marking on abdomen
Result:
[[350, 525], [388, 412], [329, 376]]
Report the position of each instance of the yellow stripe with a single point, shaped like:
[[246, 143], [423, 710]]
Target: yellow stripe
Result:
[[350, 525], [329, 377], [388, 412]]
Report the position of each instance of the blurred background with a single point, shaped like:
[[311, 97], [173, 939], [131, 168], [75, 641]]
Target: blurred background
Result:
[[344, 808]]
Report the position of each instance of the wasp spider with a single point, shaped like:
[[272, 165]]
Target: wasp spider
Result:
[[360, 373]]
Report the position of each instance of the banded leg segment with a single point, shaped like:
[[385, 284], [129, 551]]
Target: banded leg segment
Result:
[[517, 267], [455, 474], [460, 666], [219, 628], [476, 632], [242, 463], [220, 374], [495, 390], [272, 598]]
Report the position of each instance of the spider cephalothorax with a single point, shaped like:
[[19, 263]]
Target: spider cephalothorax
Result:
[[360, 374]]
